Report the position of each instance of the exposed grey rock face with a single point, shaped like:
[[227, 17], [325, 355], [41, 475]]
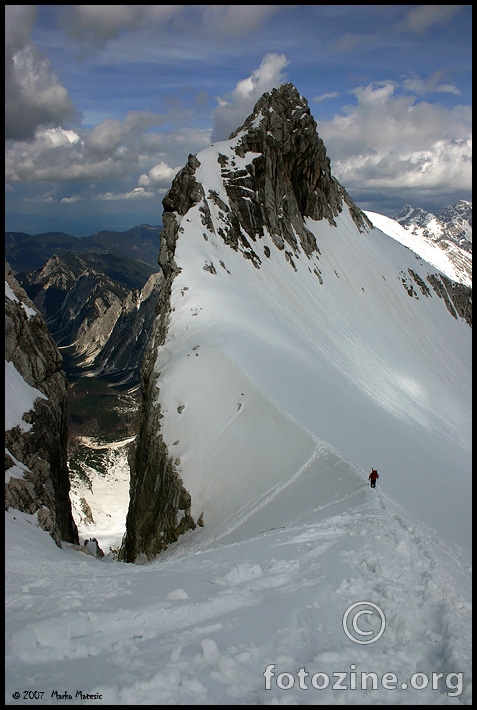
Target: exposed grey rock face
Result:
[[36, 453], [159, 505], [288, 179], [121, 356], [291, 177], [457, 297]]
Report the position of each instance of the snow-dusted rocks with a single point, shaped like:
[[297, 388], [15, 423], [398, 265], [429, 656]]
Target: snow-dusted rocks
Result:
[[443, 240], [36, 420]]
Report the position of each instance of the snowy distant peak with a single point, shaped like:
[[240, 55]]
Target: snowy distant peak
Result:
[[445, 254], [461, 211], [410, 216], [452, 224], [458, 222]]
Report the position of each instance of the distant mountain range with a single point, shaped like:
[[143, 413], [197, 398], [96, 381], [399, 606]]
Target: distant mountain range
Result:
[[100, 324], [97, 295], [25, 252]]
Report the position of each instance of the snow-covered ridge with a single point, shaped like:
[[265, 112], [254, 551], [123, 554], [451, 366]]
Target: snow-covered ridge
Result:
[[284, 341], [300, 327]]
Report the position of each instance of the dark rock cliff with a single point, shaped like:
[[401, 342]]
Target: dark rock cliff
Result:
[[36, 452], [159, 505]]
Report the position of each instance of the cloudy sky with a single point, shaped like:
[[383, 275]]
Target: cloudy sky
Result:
[[105, 103]]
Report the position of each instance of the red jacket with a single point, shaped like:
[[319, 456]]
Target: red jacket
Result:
[[373, 475]]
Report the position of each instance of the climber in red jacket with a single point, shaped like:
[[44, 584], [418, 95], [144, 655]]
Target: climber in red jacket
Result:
[[373, 477]]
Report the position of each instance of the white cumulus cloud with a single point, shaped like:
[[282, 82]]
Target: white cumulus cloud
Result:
[[34, 95], [232, 111], [160, 175], [388, 140]]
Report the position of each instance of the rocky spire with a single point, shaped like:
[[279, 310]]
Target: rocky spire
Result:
[[292, 176], [293, 167], [288, 179]]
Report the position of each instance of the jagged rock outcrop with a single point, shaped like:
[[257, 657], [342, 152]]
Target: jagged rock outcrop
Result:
[[121, 356], [457, 297], [291, 176], [286, 178], [37, 480]]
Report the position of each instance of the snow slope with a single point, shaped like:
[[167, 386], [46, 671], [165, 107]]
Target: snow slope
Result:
[[200, 625]]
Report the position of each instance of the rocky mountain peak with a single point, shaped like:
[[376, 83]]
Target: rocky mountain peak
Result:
[[293, 162], [458, 221], [278, 113], [414, 215], [274, 171], [283, 130]]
